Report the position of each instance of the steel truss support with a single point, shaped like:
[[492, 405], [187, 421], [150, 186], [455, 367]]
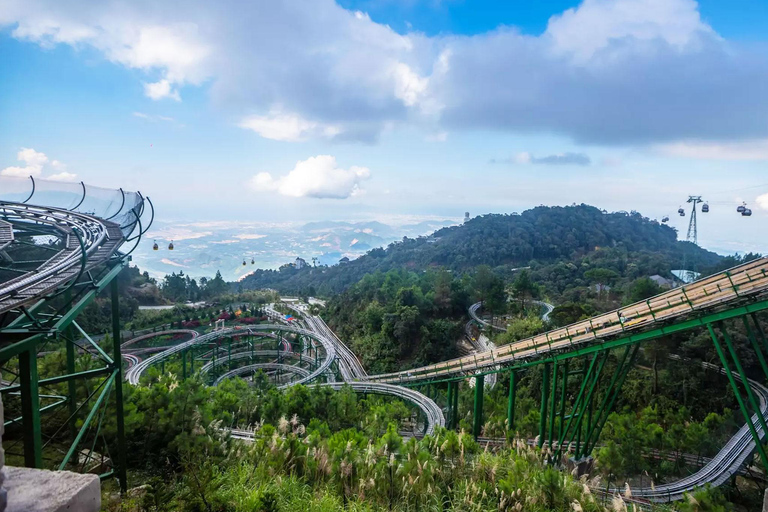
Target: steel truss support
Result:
[[563, 395], [544, 399], [477, 415], [40, 327], [582, 402], [511, 402], [745, 412], [609, 400], [553, 402], [118, 376], [453, 404], [30, 409], [755, 346]]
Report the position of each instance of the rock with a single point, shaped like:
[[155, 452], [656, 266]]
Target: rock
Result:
[[39, 490]]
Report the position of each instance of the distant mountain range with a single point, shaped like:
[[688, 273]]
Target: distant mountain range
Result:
[[202, 248]]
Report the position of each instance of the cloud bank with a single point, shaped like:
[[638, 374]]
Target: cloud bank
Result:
[[605, 72], [34, 164]]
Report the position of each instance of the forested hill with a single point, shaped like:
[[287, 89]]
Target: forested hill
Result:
[[540, 235]]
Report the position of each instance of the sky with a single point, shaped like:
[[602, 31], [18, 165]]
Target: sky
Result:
[[373, 109]]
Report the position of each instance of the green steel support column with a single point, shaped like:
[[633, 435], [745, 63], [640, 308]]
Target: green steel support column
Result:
[[162, 366], [71, 384], [588, 402], [477, 416], [553, 402], [611, 394], [563, 393], [192, 361], [739, 399], [511, 402], [759, 331], [229, 354], [183, 365], [755, 346], [578, 412], [576, 404], [30, 409], [580, 452], [744, 379], [543, 411], [118, 362], [455, 405], [449, 400]]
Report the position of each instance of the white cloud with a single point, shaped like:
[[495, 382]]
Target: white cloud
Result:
[[747, 150], [19, 171], [596, 24], [62, 176], [32, 158], [160, 90], [34, 164], [653, 68], [318, 177], [153, 118], [409, 86], [522, 158], [762, 201], [287, 127]]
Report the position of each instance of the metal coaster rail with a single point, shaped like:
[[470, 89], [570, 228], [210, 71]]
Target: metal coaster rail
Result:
[[732, 285], [89, 251], [42, 299]]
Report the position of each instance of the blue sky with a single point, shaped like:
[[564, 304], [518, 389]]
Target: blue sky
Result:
[[368, 109]]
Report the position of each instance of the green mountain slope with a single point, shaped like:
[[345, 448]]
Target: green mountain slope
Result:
[[544, 235]]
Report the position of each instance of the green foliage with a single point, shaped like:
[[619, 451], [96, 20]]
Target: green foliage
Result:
[[540, 237], [400, 317], [641, 289], [519, 328]]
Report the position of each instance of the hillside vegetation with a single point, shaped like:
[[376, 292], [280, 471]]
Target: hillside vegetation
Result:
[[542, 235]]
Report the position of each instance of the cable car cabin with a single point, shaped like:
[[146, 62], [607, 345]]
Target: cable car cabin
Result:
[[155, 247], [741, 208], [681, 212], [665, 219], [746, 213], [252, 261], [243, 262], [705, 208], [170, 246]]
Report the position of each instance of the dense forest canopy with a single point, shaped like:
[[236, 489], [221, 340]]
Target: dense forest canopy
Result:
[[542, 234]]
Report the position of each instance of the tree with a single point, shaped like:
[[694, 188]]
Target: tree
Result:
[[524, 288], [603, 277], [216, 286], [489, 288], [643, 288]]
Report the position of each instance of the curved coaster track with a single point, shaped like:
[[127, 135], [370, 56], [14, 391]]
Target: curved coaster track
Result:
[[81, 230]]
